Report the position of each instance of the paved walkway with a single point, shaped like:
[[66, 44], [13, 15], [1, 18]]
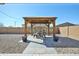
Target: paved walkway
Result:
[[36, 46]]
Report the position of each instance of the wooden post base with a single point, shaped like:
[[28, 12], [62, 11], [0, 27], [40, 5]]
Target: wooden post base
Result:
[[55, 38], [24, 39]]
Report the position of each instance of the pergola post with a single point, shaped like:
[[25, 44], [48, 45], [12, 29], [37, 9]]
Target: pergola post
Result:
[[53, 26], [25, 31], [54, 30], [55, 38], [25, 28], [31, 28], [48, 28]]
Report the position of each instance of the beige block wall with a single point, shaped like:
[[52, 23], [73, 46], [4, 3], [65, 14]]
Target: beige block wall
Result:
[[8, 30], [20, 30], [63, 31], [73, 31]]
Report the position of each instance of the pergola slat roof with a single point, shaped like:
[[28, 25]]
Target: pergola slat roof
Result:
[[39, 19]]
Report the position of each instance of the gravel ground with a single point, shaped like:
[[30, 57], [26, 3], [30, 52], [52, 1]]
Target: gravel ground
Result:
[[9, 43], [67, 45], [67, 50]]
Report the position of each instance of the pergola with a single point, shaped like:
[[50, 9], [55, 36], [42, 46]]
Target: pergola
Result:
[[39, 20]]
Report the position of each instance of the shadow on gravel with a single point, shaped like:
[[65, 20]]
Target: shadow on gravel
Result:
[[63, 42]]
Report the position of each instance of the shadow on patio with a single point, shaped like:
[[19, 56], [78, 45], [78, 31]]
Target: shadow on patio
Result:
[[29, 41]]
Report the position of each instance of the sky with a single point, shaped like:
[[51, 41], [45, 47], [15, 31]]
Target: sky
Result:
[[12, 14]]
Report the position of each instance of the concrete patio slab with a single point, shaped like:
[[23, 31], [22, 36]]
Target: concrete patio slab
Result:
[[36, 46]]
